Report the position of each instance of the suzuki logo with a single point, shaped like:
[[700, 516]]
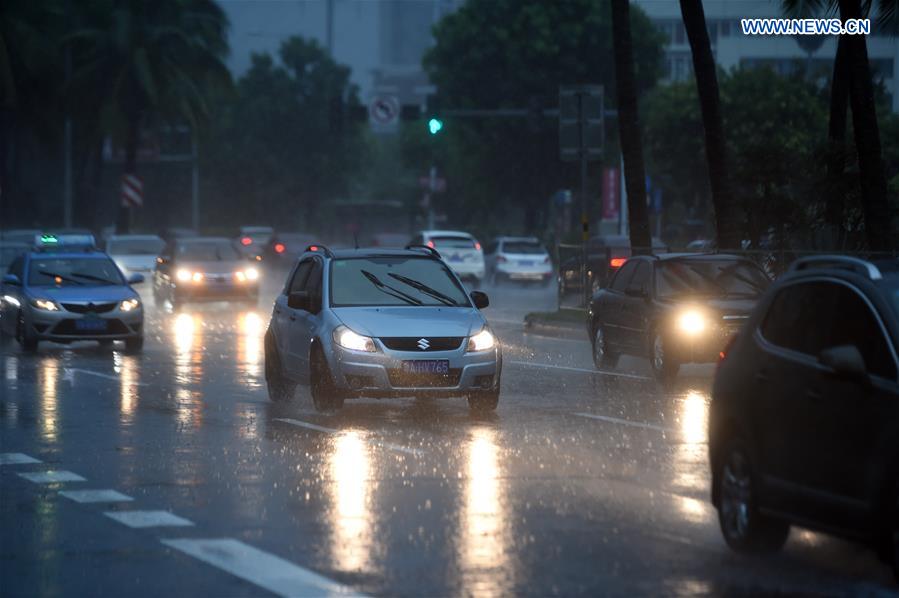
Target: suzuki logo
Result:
[[423, 344]]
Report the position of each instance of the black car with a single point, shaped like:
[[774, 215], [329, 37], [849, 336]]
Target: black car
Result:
[[605, 255], [805, 410], [673, 309]]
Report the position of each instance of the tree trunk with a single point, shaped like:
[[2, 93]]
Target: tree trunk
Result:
[[123, 222], [727, 218], [836, 135], [629, 128], [875, 205]]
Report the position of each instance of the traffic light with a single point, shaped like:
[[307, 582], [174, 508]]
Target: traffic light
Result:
[[435, 125]]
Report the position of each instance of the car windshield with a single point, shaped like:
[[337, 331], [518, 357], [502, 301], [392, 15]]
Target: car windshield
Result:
[[447, 242], [135, 246], [710, 277], [73, 271], [401, 280], [219, 251], [529, 247]]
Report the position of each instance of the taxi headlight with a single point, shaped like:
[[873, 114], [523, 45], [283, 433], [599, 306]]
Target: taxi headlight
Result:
[[482, 341], [183, 275], [348, 339], [129, 304], [45, 304], [197, 277], [691, 322]]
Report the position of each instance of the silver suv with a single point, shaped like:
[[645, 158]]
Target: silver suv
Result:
[[380, 323]]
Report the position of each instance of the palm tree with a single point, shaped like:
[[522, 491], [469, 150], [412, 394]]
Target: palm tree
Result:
[[851, 86], [629, 128], [146, 61], [727, 219]]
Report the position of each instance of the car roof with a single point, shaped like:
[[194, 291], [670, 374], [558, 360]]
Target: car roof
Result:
[[519, 239], [14, 244], [134, 238], [375, 252], [665, 257], [454, 233], [87, 254], [192, 240], [256, 229]]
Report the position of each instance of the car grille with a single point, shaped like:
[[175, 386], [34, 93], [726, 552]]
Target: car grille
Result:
[[83, 308], [412, 343], [113, 327], [401, 379]]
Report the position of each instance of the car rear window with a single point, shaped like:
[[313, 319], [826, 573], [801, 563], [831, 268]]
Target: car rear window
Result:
[[448, 242], [208, 252], [528, 247], [383, 281]]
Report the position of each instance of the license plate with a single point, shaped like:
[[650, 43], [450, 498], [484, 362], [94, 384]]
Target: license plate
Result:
[[455, 258], [525, 263], [90, 325], [426, 366]]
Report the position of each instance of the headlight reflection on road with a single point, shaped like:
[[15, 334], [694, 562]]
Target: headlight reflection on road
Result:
[[126, 367], [351, 513], [690, 456], [188, 332], [48, 375], [249, 348], [485, 528]]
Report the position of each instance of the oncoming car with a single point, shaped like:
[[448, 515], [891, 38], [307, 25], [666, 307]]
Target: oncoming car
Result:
[[380, 323], [57, 294]]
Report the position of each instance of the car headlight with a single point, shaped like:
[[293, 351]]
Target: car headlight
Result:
[[197, 277], [45, 304], [129, 304], [348, 339], [482, 341], [251, 274], [183, 275], [691, 322]]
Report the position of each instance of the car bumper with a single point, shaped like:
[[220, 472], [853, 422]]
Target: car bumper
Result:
[[702, 348], [524, 274], [380, 374], [464, 270], [67, 326], [216, 291]]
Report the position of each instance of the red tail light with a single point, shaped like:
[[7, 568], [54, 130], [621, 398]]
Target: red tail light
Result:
[[722, 354], [617, 262], [279, 248], [313, 248], [246, 241], [477, 245], [431, 244]]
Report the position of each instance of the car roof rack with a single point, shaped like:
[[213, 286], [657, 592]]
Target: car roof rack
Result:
[[427, 248], [319, 248], [844, 262]]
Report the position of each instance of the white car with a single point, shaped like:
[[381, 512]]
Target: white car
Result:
[[134, 254], [518, 259], [460, 250]]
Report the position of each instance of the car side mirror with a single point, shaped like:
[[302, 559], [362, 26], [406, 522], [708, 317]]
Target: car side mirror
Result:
[[299, 300], [135, 279], [636, 292], [480, 299], [162, 260], [11, 279], [846, 361]]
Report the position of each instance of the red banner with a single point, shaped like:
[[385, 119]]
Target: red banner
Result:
[[611, 193]]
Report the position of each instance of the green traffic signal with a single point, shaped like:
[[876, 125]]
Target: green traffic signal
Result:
[[435, 125]]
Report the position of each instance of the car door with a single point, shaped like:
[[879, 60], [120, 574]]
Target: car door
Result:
[[791, 336], [285, 316], [304, 324], [609, 311], [635, 307], [852, 418]]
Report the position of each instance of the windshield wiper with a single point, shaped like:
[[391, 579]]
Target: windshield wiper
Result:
[[55, 275], [92, 277], [420, 286], [393, 292]]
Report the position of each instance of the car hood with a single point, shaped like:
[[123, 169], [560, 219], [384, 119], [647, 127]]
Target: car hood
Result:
[[104, 294], [411, 321]]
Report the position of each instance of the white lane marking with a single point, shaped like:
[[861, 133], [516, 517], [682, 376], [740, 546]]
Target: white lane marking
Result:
[[626, 422], [69, 374], [17, 459], [375, 442], [260, 568], [51, 477], [141, 519], [88, 496], [573, 369]]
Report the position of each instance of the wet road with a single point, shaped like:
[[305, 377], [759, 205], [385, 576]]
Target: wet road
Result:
[[170, 473]]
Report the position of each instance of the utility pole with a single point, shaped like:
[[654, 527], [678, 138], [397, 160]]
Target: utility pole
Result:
[[329, 27], [67, 141], [195, 182]]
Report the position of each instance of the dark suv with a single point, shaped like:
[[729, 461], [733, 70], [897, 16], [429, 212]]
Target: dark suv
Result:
[[673, 309], [804, 419]]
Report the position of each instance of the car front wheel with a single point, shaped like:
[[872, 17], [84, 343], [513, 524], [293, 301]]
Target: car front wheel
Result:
[[602, 357], [745, 529], [280, 389], [662, 359], [325, 395]]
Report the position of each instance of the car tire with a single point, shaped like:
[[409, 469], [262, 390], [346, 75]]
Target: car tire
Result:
[[745, 529], [483, 401], [663, 363], [602, 357], [325, 395], [28, 341], [134, 344], [280, 389]]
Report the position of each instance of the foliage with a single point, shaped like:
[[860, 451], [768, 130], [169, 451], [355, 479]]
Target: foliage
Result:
[[503, 165], [279, 147]]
